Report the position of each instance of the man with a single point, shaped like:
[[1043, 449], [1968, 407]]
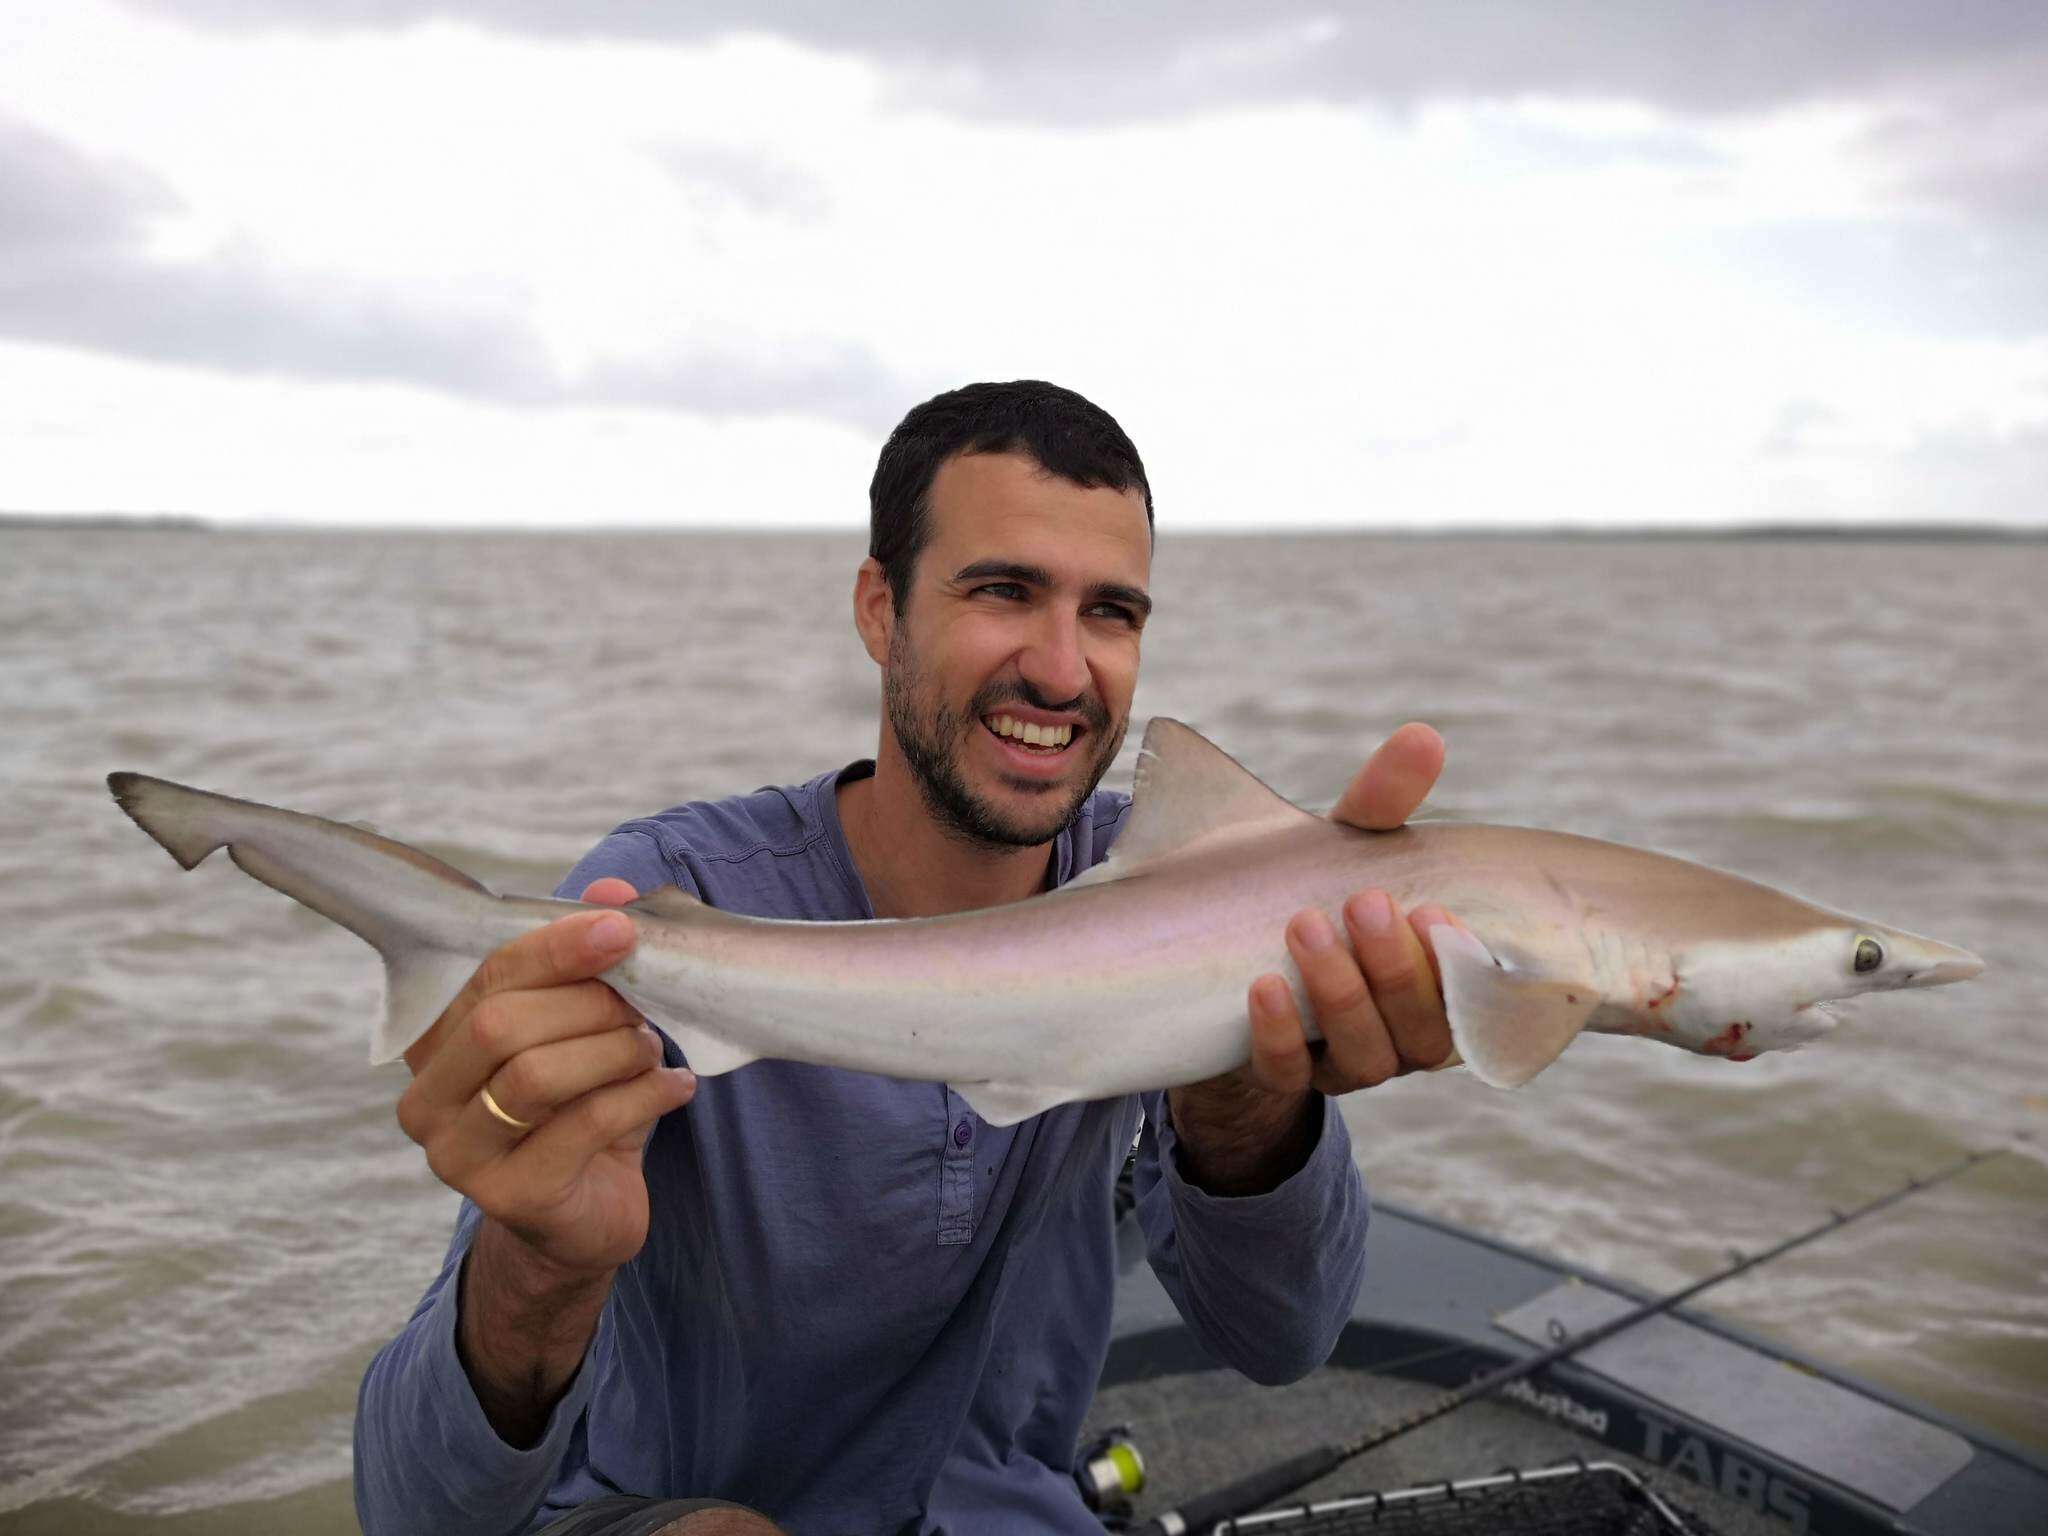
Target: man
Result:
[[838, 1302]]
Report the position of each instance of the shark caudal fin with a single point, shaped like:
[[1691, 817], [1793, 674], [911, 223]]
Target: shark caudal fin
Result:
[[1508, 1024], [371, 885], [189, 823]]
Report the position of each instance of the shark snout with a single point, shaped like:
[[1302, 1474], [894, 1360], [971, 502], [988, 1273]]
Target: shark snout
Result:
[[1960, 966], [1938, 964]]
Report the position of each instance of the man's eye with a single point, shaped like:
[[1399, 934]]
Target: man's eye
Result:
[[1002, 589], [1115, 611]]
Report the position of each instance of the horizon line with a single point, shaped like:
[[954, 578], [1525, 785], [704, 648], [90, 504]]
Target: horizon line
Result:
[[1902, 529]]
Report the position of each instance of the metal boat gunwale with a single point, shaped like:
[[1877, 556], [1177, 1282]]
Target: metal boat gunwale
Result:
[[1735, 1333]]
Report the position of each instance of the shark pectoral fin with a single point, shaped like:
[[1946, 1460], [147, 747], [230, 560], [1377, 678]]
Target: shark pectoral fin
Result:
[[419, 984], [1007, 1103], [1508, 1024]]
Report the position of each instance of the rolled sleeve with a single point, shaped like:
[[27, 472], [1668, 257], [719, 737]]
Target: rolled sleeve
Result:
[[426, 1457], [1266, 1281]]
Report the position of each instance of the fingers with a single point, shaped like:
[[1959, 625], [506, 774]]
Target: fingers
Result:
[[571, 949], [541, 1185], [1394, 781], [535, 1085], [507, 1025], [530, 992], [1396, 965], [532, 1085], [1358, 1051], [1376, 1000], [552, 1156], [1280, 1062]]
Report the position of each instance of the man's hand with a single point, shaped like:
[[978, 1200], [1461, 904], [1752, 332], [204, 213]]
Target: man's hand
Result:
[[1376, 998], [1373, 989], [565, 1052], [565, 1202]]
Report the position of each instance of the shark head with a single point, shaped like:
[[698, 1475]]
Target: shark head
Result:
[[1738, 999]]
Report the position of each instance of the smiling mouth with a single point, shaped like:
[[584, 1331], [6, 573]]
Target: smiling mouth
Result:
[[1039, 740]]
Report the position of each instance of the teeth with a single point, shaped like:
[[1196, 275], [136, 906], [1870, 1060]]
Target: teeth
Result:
[[1030, 733]]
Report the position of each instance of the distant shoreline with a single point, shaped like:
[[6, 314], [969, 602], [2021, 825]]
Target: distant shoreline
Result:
[[1860, 533], [164, 522]]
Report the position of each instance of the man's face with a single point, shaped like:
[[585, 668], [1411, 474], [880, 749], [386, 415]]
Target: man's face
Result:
[[1022, 621]]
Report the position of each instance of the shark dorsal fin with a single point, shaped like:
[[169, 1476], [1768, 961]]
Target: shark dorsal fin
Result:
[[1187, 791]]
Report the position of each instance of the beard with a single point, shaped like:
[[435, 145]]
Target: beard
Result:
[[933, 736]]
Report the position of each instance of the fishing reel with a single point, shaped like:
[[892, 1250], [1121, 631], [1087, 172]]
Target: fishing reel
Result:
[[1110, 1472]]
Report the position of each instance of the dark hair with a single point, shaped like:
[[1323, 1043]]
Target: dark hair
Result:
[[1067, 435]]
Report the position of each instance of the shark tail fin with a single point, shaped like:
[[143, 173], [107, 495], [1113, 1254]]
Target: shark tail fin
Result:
[[298, 855], [185, 821]]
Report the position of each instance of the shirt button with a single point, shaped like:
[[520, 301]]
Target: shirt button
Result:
[[963, 1133]]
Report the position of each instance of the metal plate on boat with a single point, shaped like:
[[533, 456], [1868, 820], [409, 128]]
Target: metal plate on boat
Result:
[[1863, 1445]]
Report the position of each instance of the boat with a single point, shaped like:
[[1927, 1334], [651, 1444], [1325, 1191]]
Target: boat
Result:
[[1686, 1421]]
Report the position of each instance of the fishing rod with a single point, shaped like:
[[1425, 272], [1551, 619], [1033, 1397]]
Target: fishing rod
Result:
[[1261, 1488]]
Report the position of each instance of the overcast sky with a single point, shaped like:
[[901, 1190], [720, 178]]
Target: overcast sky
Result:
[[650, 262]]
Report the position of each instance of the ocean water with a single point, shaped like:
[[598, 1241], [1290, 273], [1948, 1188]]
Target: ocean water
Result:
[[209, 1219]]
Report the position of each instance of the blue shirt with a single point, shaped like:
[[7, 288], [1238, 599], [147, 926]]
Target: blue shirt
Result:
[[859, 1309]]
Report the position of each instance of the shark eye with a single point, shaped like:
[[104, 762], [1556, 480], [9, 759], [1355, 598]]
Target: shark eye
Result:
[[1869, 956]]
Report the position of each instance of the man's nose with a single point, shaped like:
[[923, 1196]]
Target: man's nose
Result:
[[1053, 663]]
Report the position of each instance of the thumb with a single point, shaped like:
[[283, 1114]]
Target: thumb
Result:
[[1394, 781]]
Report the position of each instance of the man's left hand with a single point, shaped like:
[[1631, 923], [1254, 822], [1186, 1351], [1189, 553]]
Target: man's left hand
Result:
[[1373, 990]]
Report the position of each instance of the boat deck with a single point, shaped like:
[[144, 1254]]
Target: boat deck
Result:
[[1730, 1426], [1200, 1430]]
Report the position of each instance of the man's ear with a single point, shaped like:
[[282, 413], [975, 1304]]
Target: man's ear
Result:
[[874, 610]]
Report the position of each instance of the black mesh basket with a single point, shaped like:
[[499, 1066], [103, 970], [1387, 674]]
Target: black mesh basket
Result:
[[1581, 1499]]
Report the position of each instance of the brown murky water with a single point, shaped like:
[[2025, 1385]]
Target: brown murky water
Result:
[[208, 1217]]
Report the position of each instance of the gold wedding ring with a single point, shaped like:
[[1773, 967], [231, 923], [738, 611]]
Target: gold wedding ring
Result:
[[498, 1109]]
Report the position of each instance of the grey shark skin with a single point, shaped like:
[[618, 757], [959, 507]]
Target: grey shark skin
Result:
[[1133, 976]]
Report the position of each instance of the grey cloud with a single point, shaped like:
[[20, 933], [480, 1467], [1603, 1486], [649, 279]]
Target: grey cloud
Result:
[[1969, 139], [75, 271], [54, 201], [1975, 139], [1111, 60]]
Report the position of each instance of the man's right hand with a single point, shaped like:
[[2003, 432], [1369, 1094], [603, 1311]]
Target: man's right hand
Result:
[[567, 1053], [565, 1203]]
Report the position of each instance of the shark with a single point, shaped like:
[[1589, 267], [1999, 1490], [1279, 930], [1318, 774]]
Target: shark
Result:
[[1134, 976]]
